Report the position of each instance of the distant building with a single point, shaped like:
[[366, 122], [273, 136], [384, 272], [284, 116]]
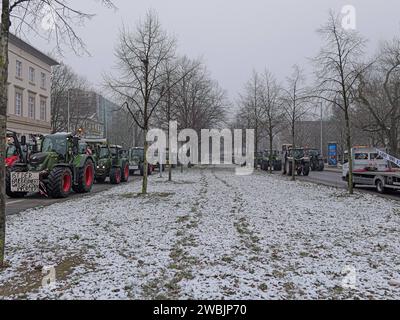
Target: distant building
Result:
[[29, 86]]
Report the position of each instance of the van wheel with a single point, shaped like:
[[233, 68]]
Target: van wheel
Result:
[[380, 187]]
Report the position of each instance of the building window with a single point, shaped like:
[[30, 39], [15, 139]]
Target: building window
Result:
[[43, 109], [18, 102], [43, 80], [31, 75], [18, 70], [31, 106]]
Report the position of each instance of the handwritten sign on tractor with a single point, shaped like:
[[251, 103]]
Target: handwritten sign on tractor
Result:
[[25, 182]]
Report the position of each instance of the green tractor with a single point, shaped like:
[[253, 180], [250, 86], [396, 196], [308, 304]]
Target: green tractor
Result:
[[111, 162], [54, 171], [302, 162], [136, 161], [316, 160], [276, 161]]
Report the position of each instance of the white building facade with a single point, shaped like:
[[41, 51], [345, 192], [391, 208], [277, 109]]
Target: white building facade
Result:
[[29, 89]]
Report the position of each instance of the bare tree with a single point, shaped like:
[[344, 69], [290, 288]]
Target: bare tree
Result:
[[252, 106], [379, 95], [141, 59], [67, 89], [27, 15], [271, 103], [338, 70], [295, 105]]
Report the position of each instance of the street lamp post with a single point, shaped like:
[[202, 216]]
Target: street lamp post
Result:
[[322, 131], [68, 110]]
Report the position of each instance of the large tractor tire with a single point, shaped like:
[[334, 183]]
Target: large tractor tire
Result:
[[125, 172], [14, 195], [85, 178], [306, 170], [60, 182], [115, 175]]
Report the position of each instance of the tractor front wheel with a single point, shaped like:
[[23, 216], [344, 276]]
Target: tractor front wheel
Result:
[[85, 178], [125, 173], [60, 182], [115, 175], [306, 170]]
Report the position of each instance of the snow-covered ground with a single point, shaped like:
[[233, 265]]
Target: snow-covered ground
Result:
[[208, 235]]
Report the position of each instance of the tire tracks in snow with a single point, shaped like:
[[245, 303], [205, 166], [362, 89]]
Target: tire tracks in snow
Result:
[[168, 285], [249, 238]]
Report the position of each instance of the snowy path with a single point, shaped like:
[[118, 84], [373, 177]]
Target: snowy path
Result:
[[212, 235]]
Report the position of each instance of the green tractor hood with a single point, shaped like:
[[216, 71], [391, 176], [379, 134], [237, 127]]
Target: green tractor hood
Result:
[[43, 160]]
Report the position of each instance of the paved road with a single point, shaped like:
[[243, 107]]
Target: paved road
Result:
[[14, 206], [333, 178]]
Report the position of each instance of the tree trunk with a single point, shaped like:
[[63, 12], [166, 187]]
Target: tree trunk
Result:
[[271, 138], [5, 26], [294, 158], [349, 146], [145, 163]]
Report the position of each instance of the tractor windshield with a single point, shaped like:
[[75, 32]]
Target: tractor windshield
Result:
[[298, 153], [137, 153], [55, 143], [104, 153], [313, 152], [114, 152]]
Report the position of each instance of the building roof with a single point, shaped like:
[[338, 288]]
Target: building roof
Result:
[[31, 50]]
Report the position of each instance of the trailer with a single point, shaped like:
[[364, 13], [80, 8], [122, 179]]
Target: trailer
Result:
[[373, 167]]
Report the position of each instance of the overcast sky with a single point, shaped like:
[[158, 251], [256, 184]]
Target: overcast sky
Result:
[[233, 37]]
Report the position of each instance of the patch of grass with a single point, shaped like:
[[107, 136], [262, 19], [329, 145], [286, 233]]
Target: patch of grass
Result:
[[227, 259], [132, 195], [182, 219], [30, 279], [263, 287]]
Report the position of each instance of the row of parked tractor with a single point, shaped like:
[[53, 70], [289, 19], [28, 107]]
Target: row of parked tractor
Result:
[[56, 164], [305, 160]]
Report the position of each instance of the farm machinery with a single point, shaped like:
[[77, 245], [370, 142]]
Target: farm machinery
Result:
[[301, 161], [54, 171], [110, 161]]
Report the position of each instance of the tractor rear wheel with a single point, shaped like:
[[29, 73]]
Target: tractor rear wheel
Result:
[[85, 178], [60, 182], [125, 172], [11, 194], [306, 170], [115, 175]]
